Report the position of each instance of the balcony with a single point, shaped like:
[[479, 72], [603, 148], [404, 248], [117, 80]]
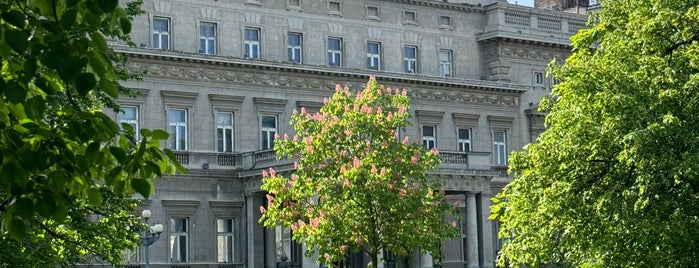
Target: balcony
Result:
[[268, 158]]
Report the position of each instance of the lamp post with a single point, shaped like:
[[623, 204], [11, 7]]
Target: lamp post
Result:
[[150, 236]]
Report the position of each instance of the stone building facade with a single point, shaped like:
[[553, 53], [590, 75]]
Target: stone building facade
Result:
[[223, 76]]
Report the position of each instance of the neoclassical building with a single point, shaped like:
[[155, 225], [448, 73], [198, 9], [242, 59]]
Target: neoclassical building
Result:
[[223, 77]]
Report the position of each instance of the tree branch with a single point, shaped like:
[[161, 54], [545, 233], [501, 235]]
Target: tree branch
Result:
[[675, 46]]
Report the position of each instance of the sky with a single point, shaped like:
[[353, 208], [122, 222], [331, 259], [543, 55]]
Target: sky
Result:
[[529, 3]]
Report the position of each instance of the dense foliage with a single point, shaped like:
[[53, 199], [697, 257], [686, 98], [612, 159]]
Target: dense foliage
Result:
[[614, 180], [357, 187], [61, 157]]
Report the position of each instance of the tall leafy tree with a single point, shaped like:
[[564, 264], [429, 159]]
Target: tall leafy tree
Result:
[[61, 157], [614, 180], [357, 188]]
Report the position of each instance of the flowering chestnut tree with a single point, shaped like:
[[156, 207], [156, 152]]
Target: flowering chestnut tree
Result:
[[357, 187]]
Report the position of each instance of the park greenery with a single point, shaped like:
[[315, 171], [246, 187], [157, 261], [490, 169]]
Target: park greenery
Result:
[[67, 169], [614, 180], [357, 187]]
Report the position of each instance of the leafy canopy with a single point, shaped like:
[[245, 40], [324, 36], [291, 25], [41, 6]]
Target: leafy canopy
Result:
[[357, 188], [614, 180], [59, 152]]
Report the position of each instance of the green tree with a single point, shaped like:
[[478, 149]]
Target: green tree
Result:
[[61, 157], [357, 188], [614, 180]]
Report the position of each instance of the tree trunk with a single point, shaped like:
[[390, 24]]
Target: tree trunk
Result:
[[374, 260]]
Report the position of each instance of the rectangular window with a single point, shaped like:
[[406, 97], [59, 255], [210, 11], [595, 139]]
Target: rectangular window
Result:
[[499, 148], [464, 139], [269, 130], [334, 51], [161, 33], [410, 59], [410, 17], [207, 38], [335, 7], [538, 78], [129, 116], [293, 3], [224, 132], [293, 47], [252, 43], [444, 21], [372, 12], [179, 240], [373, 55], [445, 61], [178, 129], [225, 240], [429, 137], [130, 255]]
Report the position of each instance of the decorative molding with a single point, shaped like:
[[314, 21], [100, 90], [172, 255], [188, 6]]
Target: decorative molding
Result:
[[374, 33], [335, 28], [429, 116], [225, 98], [181, 97], [311, 106], [269, 101], [295, 23], [161, 6], [410, 37], [466, 119], [225, 208], [207, 12], [445, 41], [252, 18], [500, 121], [524, 52], [180, 207]]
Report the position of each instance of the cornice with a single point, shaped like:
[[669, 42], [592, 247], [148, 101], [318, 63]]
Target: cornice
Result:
[[443, 5], [182, 64]]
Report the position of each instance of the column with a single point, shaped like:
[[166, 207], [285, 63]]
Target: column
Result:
[[254, 231], [487, 235], [270, 245], [471, 231], [453, 250]]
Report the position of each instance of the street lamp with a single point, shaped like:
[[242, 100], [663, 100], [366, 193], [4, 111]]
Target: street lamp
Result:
[[150, 236]]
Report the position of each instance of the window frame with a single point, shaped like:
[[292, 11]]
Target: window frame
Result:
[[268, 132], [161, 34], [176, 236], [295, 7], [464, 145], [206, 39], [221, 140], [449, 18], [499, 148], [429, 140], [448, 64], [294, 52], [369, 15], [334, 12], [538, 78], [176, 135], [134, 122], [406, 17], [373, 57], [230, 250], [407, 61], [334, 53], [252, 45]]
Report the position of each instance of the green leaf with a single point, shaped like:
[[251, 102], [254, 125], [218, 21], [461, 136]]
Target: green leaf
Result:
[[68, 68], [94, 196], [85, 82], [98, 42], [68, 17], [109, 87], [125, 25], [119, 154], [50, 59], [45, 206], [60, 213], [142, 186], [160, 134], [18, 40], [58, 179], [35, 108], [17, 229], [112, 175], [24, 207], [108, 5], [15, 93], [15, 18]]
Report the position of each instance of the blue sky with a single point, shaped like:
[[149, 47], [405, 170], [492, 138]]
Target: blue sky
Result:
[[522, 2]]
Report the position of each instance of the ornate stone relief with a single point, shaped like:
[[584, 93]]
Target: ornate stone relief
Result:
[[262, 78], [523, 52]]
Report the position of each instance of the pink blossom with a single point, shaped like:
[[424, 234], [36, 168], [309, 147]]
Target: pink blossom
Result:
[[405, 92], [383, 171], [272, 172], [294, 111], [406, 140], [296, 165], [338, 88], [286, 136], [403, 192], [294, 227], [315, 222], [373, 169], [388, 90], [434, 151], [262, 210], [397, 90], [401, 110], [343, 247], [301, 223], [347, 108], [348, 132], [342, 170], [326, 256], [379, 110], [346, 182], [413, 159], [264, 173], [303, 110], [457, 203], [390, 186], [356, 162], [390, 116], [325, 100], [269, 198], [453, 223], [296, 138]]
